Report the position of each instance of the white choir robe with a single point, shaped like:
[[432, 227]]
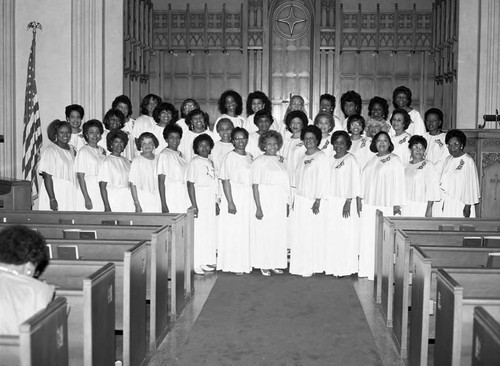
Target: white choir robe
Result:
[[220, 149], [158, 132], [422, 186], [417, 125], [182, 124], [88, 160], [115, 170], [58, 163], [269, 236], [173, 166], [436, 151], [253, 145], [401, 146], [382, 188], [130, 150], [342, 247], [459, 185], [361, 150], [201, 172], [143, 123], [250, 125], [77, 140], [233, 246], [308, 231], [186, 145], [326, 146], [144, 176]]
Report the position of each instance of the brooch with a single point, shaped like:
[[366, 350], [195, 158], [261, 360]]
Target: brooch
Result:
[[461, 165], [326, 145], [300, 144], [363, 143], [340, 165], [385, 160], [308, 161], [281, 159], [403, 140], [422, 166], [440, 143]]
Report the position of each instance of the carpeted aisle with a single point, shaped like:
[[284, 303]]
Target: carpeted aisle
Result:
[[280, 320]]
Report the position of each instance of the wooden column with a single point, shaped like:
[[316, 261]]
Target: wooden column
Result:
[[7, 89]]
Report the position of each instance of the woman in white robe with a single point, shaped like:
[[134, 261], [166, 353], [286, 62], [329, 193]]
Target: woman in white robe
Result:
[[114, 119], [401, 99], [198, 123], [58, 191], [145, 122], [437, 151], [459, 180], [74, 115], [271, 193], [234, 220], [382, 188], [171, 169], [165, 114], [231, 106], [124, 105], [203, 194], [293, 146], [360, 146], [325, 122], [400, 120], [258, 101], [422, 181], [224, 145], [342, 249], [143, 177], [113, 175], [263, 121], [308, 223], [87, 163], [187, 106]]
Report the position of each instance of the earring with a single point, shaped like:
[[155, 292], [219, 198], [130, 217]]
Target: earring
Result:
[[28, 272]]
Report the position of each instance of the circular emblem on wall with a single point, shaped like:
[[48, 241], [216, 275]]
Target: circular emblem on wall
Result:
[[291, 20]]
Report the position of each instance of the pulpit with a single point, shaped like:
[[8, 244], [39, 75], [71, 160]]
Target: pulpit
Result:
[[15, 194], [484, 147]]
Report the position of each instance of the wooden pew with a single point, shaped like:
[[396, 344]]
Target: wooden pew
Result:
[[486, 339], [397, 260], [458, 292], [386, 231], [42, 340], [90, 292], [426, 261], [130, 288]]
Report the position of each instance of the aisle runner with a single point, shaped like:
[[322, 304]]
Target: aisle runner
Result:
[[280, 320]]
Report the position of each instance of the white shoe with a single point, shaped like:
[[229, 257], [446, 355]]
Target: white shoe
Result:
[[207, 268], [199, 271]]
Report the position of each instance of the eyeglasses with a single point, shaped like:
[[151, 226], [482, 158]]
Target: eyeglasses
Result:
[[240, 138], [418, 148]]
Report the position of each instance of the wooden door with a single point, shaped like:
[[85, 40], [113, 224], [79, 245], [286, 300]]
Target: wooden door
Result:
[[290, 53]]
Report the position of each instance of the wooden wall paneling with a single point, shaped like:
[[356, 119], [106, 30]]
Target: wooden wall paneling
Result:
[[315, 52]]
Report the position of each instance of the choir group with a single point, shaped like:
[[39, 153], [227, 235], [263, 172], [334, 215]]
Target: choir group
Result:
[[259, 186]]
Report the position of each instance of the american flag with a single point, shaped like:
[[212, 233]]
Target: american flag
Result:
[[32, 135]]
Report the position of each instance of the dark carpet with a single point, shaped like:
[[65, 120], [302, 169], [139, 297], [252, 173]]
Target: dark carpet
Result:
[[280, 320]]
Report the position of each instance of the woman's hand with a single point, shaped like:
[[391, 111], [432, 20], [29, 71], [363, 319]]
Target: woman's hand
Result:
[[54, 206], [138, 207], [396, 210], [428, 212], [259, 215], [164, 209], [315, 208], [88, 203], [467, 210], [217, 209], [107, 208], [287, 210], [359, 206], [346, 211], [231, 208], [195, 211]]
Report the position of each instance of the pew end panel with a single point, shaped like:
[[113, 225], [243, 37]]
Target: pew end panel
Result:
[[486, 339], [387, 273], [379, 237], [9, 349]]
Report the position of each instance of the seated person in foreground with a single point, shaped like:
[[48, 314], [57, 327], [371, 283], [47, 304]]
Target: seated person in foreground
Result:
[[23, 256]]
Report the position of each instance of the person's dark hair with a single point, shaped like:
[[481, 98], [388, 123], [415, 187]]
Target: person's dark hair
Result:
[[344, 134], [417, 139], [20, 244], [296, 114], [373, 144], [270, 134], [330, 98], [196, 112], [262, 113], [356, 118], [312, 129], [351, 96], [91, 123], [258, 95], [382, 102], [237, 98], [327, 116], [238, 129], [165, 107], [222, 121], [458, 134], [112, 135], [146, 135], [54, 126], [145, 101], [125, 100], [437, 112], [171, 129], [74, 107], [202, 137], [113, 113], [186, 101], [406, 117], [401, 90]]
